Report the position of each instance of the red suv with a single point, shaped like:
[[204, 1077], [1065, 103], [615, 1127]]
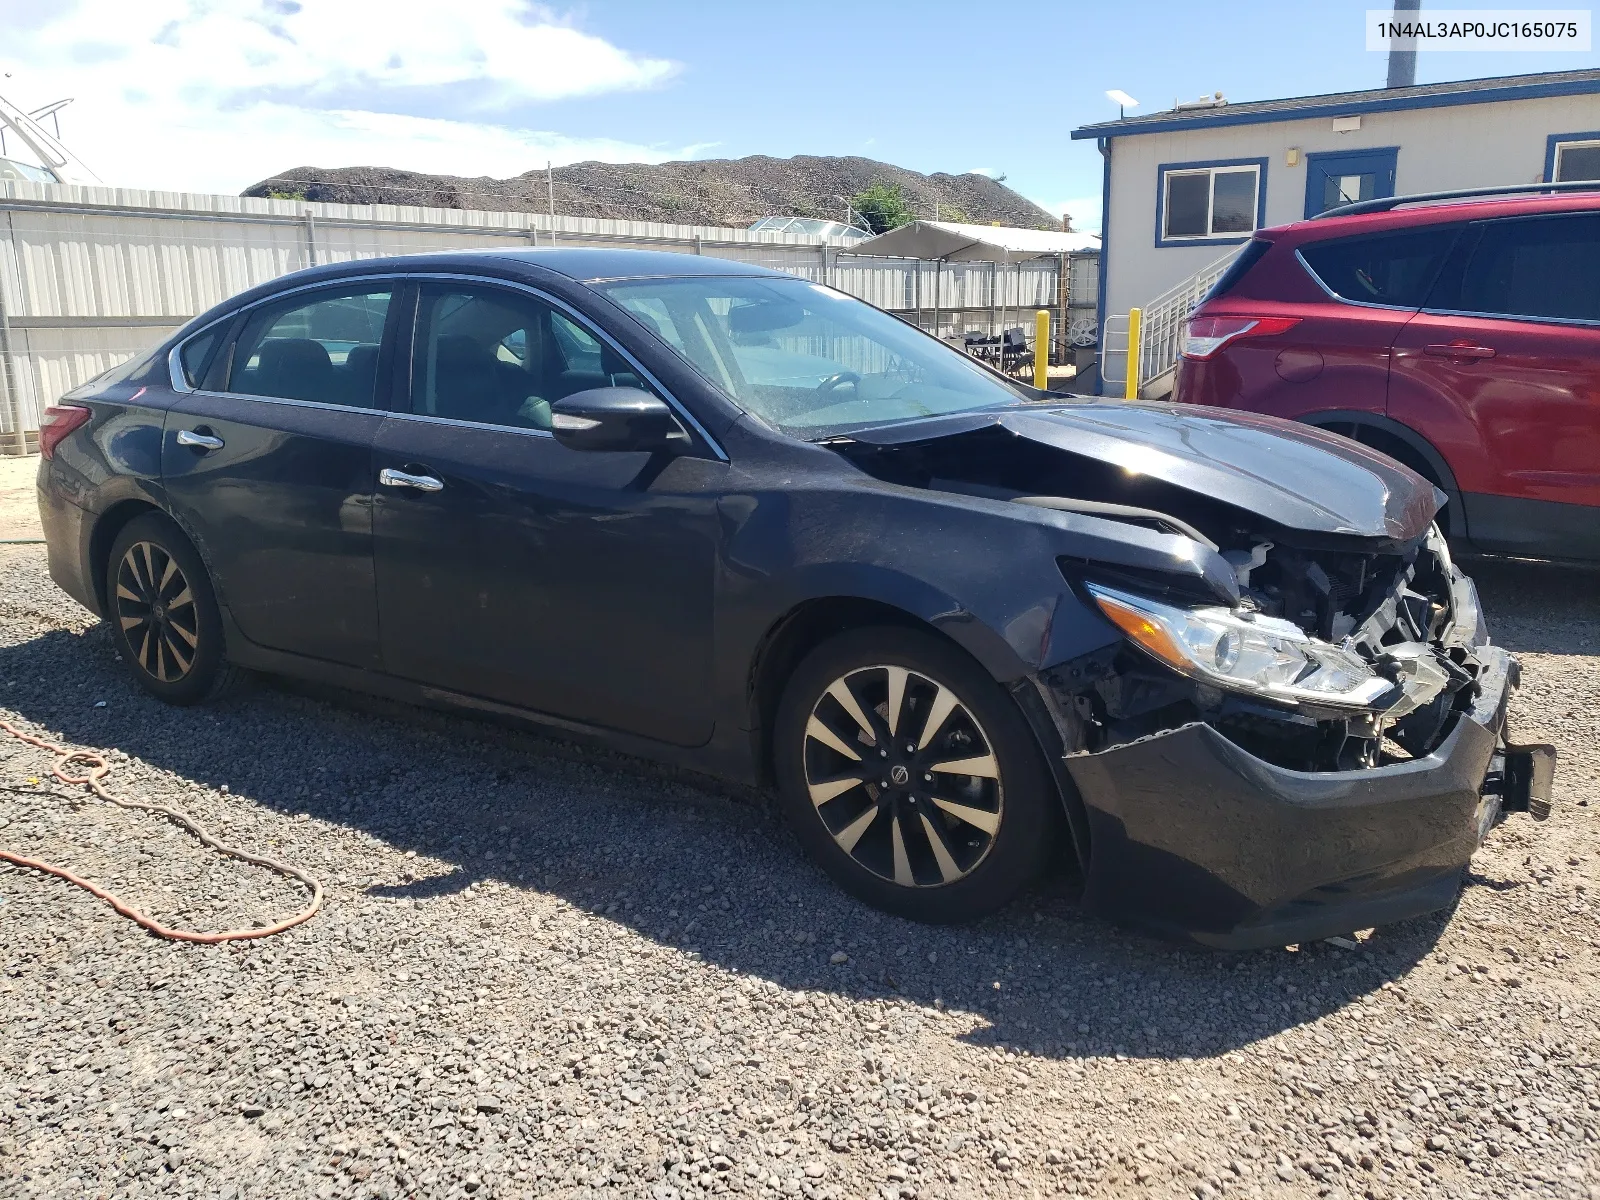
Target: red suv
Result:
[[1459, 336]]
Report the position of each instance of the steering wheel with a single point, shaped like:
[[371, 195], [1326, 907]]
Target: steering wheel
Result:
[[837, 380]]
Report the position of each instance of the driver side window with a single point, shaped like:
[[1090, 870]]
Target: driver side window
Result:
[[497, 357]]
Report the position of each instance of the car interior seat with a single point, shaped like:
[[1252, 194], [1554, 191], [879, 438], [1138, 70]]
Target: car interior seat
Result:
[[466, 382], [297, 369], [360, 372]]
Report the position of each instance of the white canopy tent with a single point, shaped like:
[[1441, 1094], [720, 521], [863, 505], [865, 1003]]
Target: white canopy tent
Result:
[[950, 241]]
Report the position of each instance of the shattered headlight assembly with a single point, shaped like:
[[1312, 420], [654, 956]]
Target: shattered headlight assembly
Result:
[[1244, 652]]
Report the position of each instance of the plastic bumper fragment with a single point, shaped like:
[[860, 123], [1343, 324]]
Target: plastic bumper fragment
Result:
[[1194, 837], [1530, 774]]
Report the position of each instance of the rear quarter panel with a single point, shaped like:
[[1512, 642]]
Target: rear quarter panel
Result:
[[113, 459], [1438, 415], [1337, 357]]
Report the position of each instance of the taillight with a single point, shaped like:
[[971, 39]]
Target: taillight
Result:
[[59, 420], [1204, 336]]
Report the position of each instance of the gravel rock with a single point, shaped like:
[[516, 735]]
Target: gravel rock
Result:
[[520, 986]]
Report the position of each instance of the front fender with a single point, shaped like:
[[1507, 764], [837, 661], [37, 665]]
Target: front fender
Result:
[[1006, 653], [984, 572]]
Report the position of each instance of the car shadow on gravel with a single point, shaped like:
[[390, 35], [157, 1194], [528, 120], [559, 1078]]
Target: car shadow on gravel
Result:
[[1539, 607], [680, 860]]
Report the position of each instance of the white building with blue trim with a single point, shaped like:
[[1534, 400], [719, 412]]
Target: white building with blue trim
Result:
[[1183, 188]]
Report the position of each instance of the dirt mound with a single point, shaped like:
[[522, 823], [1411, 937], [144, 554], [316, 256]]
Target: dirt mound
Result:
[[715, 191]]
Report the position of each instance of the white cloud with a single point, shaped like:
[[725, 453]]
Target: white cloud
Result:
[[214, 94]]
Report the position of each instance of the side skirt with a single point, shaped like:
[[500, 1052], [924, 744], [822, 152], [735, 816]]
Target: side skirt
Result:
[[723, 757], [1533, 528]]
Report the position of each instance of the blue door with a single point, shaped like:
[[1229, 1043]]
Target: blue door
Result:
[[1345, 176]]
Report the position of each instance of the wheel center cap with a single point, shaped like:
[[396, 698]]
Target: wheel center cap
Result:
[[899, 775]]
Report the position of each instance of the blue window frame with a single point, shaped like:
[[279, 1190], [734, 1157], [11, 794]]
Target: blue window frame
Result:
[[1217, 203], [1571, 156]]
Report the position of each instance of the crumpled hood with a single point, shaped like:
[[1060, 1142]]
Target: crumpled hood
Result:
[[1292, 475]]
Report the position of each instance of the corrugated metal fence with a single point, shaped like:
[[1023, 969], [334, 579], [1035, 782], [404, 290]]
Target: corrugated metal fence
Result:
[[92, 276]]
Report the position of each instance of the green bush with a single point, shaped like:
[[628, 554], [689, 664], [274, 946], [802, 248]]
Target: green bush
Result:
[[883, 206]]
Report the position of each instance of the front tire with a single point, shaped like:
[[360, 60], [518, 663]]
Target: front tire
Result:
[[911, 777], [163, 613]]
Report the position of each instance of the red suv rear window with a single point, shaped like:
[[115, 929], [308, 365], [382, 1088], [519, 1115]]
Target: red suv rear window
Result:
[[1239, 267], [1394, 269]]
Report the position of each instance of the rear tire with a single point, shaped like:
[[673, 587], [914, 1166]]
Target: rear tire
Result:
[[163, 613], [869, 791]]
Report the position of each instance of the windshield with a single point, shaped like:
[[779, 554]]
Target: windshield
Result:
[[809, 361]]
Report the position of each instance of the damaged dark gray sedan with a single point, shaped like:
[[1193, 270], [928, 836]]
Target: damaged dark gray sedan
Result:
[[1220, 666]]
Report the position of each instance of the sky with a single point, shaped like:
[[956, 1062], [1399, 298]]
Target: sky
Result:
[[213, 95]]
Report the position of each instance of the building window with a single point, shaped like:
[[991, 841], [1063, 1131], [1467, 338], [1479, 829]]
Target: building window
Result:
[[1576, 160], [1204, 202]]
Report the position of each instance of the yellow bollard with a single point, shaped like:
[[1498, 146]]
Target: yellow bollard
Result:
[[1131, 390], [1041, 350]]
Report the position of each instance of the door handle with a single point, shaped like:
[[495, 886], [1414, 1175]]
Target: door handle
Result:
[[1465, 350], [198, 440], [389, 477]]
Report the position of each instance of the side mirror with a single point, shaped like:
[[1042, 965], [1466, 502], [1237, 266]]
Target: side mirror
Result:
[[616, 418]]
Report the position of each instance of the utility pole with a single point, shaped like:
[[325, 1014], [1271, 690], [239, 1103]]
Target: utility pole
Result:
[[1403, 63], [550, 190]]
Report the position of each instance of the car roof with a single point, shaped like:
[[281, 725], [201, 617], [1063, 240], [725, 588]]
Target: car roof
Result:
[[586, 264], [582, 264], [1436, 213]]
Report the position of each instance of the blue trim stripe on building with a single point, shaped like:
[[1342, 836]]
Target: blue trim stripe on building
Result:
[[1232, 239], [1318, 106], [1105, 258]]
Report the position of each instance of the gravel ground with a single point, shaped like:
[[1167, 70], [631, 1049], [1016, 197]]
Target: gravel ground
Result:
[[19, 510], [545, 970]]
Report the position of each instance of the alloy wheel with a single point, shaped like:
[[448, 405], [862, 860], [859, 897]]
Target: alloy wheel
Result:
[[903, 776], [156, 609]]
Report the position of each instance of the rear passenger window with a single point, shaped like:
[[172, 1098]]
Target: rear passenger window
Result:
[[502, 358], [1252, 253], [1395, 269], [197, 351], [323, 349], [1535, 267]]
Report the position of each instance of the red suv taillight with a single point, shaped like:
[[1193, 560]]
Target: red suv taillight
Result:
[[59, 420], [1204, 336]]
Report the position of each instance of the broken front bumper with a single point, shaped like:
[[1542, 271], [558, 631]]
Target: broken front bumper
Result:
[[1190, 835]]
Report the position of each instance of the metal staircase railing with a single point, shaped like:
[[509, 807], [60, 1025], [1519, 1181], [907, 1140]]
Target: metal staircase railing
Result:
[[1113, 349], [1161, 326]]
